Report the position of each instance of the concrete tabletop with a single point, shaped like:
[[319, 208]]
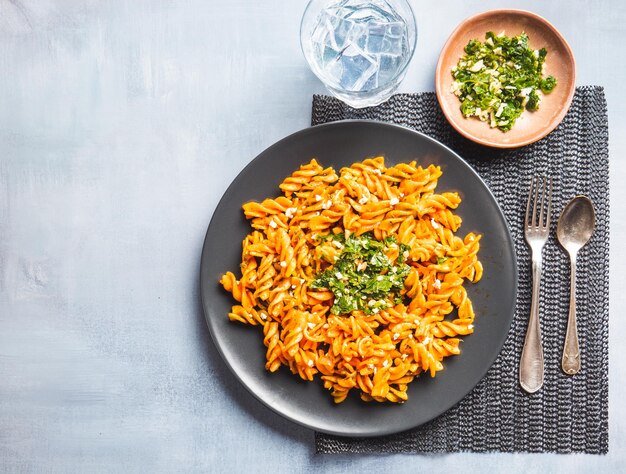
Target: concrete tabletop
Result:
[[121, 125]]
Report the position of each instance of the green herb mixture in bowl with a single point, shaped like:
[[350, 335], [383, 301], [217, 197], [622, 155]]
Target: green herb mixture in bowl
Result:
[[499, 78]]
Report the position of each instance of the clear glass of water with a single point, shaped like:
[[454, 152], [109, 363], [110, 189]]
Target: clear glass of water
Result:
[[359, 49]]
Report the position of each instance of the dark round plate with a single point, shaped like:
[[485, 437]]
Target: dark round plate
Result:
[[308, 403]]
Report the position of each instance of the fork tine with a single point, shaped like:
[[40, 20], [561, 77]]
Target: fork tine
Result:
[[542, 215], [530, 195], [549, 203], [536, 183]]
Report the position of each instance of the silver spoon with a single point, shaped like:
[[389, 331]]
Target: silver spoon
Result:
[[574, 230]]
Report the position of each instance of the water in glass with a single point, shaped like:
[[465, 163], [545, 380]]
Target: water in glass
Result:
[[359, 46]]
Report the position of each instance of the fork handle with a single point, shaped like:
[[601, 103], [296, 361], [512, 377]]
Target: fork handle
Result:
[[531, 363], [571, 353]]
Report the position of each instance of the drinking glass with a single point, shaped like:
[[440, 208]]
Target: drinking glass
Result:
[[359, 49]]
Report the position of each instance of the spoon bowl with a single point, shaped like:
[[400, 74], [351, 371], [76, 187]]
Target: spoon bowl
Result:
[[576, 224]]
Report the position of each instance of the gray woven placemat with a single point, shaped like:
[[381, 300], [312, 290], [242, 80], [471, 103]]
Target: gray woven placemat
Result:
[[570, 414]]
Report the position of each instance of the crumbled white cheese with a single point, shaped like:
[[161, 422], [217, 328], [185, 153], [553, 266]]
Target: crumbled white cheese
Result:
[[290, 212], [325, 326], [434, 223], [310, 363], [311, 325], [456, 88], [385, 363], [394, 201], [263, 316], [379, 278], [361, 266], [525, 92], [273, 224], [327, 204], [318, 198], [437, 284], [478, 65], [396, 336], [283, 264], [371, 303], [339, 275], [363, 200]]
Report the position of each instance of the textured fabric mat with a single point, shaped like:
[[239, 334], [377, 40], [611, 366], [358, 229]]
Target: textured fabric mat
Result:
[[570, 413]]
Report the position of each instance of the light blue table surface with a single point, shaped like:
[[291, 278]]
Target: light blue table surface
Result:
[[121, 125]]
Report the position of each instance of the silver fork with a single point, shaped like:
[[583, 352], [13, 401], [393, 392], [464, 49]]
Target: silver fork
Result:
[[536, 230]]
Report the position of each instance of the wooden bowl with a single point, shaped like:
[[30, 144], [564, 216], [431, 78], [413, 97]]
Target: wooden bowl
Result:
[[530, 126]]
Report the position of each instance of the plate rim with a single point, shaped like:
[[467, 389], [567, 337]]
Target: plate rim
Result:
[[204, 255], [439, 72]]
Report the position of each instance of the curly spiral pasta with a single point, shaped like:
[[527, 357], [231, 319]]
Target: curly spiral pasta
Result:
[[377, 354]]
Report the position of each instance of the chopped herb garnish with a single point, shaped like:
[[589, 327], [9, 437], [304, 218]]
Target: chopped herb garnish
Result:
[[364, 277], [498, 79]]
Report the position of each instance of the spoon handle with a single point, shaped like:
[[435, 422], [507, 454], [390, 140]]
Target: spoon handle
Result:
[[571, 353]]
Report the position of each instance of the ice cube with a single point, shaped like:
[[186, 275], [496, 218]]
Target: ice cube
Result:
[[375, 37], [328, 54], [333, 68], [343, 31], [373, 10], [385, 37], [394, 41], [332, 30], [320, 31], [358, 35], [396, 29], [358, 68], [389, 66], [371, 83]]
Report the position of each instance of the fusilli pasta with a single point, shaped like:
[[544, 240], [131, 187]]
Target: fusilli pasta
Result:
[[353, 276]]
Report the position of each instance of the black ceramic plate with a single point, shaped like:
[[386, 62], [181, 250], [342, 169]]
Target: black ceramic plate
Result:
[[308, 403]]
